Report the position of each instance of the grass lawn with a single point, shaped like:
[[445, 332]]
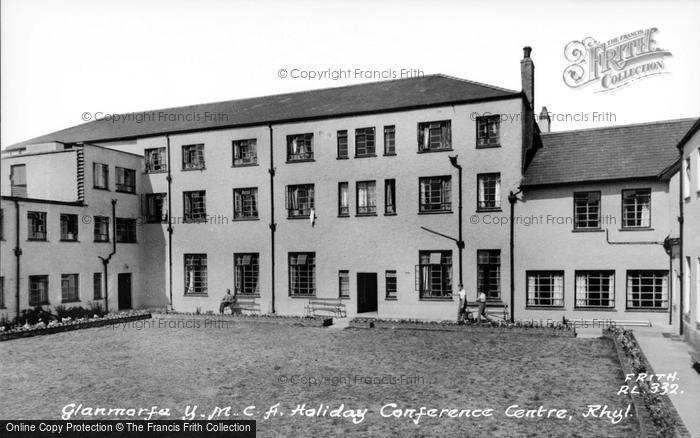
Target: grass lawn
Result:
[[246, 363]]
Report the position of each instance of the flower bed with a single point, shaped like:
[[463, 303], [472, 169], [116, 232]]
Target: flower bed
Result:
[[655, 412], [527, 327], [68, 324], [304, 321]]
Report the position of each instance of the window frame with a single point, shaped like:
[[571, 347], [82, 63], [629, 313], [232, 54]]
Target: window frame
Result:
[[369, 142], [343, 210], [43, 298], [552, 297], [102, 219], [241, 277], [344, 280], [301, 157], [161, 153], [104, 167], [311, 287], [66, 218], [369, 209], [69, 297], [250, 213], [128, 226], [444, 272], [611, 289], [488, 120], [389, 138], [251, 145], [97, 286], [598, 219], [187, 153], [342, 134], [446, 207], [390, 193], [446, 142], [128, 178], [18, 190], [625, 225], [663, 275], [31, 235], [490, 295], [151, 215], [203, 274], [391, 293], [303, 213], [497, 193], [187, 208]]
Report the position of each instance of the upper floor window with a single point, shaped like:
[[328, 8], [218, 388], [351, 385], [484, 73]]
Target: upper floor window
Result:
[[193, 156], [686, 177], [366, 198], [36, 224], [18, 180], [545, 288], [100, 176], [435, 194], [434, 274], [245, 203], [245, 152], [389, 196], [156, 160], [587, 210], [101, 229], [302, 273], [489, 191], [434, 136], [390, 140], [636, 208], [365, 142], [126, 180], [487, 131], [300, 200], [300, 147], [342, 144], [157, 207], [343, 203], [69, 227], [195, 206], [247, 273], [195, 274], [126, 230]]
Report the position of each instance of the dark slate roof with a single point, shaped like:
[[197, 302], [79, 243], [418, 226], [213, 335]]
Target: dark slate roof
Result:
[[618, 152], [420, 92]]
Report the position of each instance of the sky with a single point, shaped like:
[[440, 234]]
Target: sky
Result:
[[61, 59]]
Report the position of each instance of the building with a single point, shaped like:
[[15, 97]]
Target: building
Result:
[[357, 193]]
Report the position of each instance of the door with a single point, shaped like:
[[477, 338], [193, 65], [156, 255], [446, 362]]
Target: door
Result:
[[366, 292], [124, 287]]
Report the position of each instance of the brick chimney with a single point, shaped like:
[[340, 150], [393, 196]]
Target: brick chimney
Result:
[[545, 122], [527, 76]]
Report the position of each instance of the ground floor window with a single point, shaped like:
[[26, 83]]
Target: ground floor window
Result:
[[489, 273], [126, 230], [434, 274], [247, 273], [38, 290], [97, 286], [545, 288], [595, 288], [647, 289], [390, 283], [69, 288], [302, 273], [195, 274], [344, 284]]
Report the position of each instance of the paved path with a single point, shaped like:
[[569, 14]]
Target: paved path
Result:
[[668, 355]]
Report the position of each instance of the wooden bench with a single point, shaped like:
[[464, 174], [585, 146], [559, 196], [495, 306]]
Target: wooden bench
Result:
[[334, 306], [493, 309], [244, 304]]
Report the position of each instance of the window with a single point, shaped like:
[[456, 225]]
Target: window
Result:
[[342, 144], [647, 289], [2, 224], [195, 274], [366, 198], [155, 160], [245, 152], [101, 229], [545, 288], [686, 178], [435, 194], [389, 196], [36, 223], [300, 200], [195, 204], [2, 292], [434, 136], [390, 140], [193, 156], [300, 147], [343, 203], [126, 230], [38, 290], [100, 176], [69, 227], [489, 191], [97, 286], [434, 274], [126, 180], [390, 284], [245, 203], [344, 284], [157, 207], [595, 289], [247, 273], [487, 131], [364, 142], [69, 288], [587, 210], [488, 279], [18, 180], [636, 208], [302, 273]]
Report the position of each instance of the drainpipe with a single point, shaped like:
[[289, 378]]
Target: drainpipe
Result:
[[105, 260], [460, 241], [512, 199], [682, 259], [273, 225], [170, 227], [18, 255]]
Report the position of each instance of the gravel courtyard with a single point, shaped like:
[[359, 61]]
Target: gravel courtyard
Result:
[[173, 363]]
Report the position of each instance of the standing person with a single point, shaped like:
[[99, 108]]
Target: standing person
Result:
[[462, 309], [227, 301], [482, 307]]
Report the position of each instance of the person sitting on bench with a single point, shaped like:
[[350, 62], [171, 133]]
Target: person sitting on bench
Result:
[[227, 301]]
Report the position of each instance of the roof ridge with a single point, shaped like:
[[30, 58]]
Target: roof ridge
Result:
[[495, 87], [629, 125]]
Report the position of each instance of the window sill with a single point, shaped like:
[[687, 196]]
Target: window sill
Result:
[[344, 298], [187, 169], [77, 300], [148, 172], [343, 215], [649, 310], [306, 160], [246, 219], [149, 222], [437, 299], [194, 221], [245, 165], [489, 210], [430, 151], [342, 158], [130, 192], [389, 155], [298, 217], [303, 297], [365, 214], [100, 188], [45, 303], [390, 299], [242, 295], [124, 241], [587, 230], [390, 214], [37, 240], [366, 156], [435, 212], [560, 308], [101, 241], [488, 146], [200, 295], [69, 240], [636, 229], [595, 309]]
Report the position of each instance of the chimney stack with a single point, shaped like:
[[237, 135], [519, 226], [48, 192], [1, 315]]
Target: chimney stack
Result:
[[527, 76], [545, 122]]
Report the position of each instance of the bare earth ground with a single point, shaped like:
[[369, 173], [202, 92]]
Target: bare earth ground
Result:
[[246, 364]]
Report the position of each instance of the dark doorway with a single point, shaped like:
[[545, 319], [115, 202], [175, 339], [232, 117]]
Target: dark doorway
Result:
[[124, 286], [366, 292]]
